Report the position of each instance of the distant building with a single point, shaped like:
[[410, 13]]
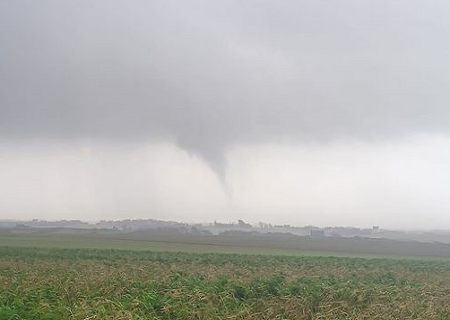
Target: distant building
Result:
[[243, 224], [375, 229], [316, 233]]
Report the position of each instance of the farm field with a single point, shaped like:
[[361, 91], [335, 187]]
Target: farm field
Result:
[[244, 244], [55, 283]]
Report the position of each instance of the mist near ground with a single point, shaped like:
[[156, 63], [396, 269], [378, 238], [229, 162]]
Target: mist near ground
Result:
[[401, 185], [300, 112]]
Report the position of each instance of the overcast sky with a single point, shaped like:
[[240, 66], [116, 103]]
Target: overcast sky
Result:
[[333, 112]]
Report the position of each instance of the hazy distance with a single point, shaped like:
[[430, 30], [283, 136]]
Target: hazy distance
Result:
[[300, 112]]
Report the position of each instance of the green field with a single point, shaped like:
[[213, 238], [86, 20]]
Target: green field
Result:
[[161, 244], [55, 283], [243, 244]]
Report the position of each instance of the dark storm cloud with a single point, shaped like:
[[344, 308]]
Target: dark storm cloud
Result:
[[209, 75]]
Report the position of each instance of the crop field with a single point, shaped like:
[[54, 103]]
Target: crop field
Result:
[[244, 244], [55, 283]]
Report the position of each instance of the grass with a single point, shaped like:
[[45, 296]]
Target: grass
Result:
[[55, 283], [192, 244]]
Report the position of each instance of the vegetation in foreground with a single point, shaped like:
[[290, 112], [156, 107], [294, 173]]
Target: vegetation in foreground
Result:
[[114, 284]]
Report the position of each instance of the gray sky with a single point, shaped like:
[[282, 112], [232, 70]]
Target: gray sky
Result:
[[304, 112]]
